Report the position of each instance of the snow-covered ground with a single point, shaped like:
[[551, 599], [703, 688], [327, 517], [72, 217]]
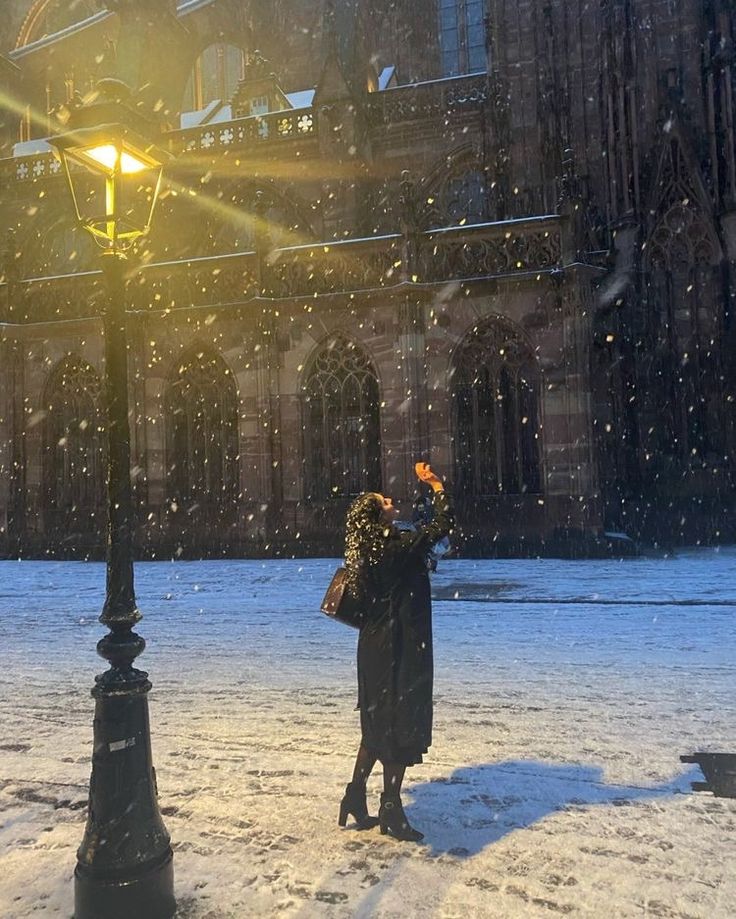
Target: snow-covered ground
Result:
[[565, 693]]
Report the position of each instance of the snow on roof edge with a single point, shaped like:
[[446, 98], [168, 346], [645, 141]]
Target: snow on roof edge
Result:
[[58, 36], [31, 147]]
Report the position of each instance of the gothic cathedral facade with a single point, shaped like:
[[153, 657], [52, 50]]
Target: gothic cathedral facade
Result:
[[496, 235]]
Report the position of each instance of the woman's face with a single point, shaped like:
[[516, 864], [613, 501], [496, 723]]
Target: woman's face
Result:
[[389, 512]]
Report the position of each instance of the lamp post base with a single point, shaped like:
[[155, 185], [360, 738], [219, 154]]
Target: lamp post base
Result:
[[125, 863], [148, 896]]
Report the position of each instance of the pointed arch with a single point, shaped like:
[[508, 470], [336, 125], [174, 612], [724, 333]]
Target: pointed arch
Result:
[[201, 416], [495, 393], [456, 189], [73, 449], [676, 175], [341, 421]]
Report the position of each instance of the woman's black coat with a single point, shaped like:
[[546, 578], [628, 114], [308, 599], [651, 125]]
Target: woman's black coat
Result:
[[395, 665]]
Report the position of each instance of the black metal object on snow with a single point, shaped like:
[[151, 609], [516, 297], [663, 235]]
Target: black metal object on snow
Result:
[[719, 770]]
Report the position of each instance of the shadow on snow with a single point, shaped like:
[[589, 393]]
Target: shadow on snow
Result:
[[478, 805]]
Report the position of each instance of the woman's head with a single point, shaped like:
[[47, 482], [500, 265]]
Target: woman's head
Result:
[[371, 508], [368, 525]]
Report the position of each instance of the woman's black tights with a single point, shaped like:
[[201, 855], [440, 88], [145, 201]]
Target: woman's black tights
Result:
[[393, 773], [364, 763], [393, 776]]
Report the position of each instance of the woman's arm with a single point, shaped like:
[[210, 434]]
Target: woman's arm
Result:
[[443, 519], [426, 535]]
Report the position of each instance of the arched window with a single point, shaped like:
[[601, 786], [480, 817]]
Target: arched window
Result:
[[341, 422], [215, 75], [462, 36], [202, 438], [495, 396], [73, 458]]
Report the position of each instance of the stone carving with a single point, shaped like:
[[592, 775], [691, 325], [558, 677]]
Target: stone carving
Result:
[[426, 100], [486, 250], [363, 265], [483, 253], [276, 126]]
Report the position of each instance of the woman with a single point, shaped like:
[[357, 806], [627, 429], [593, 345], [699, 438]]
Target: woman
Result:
[[387, 572]]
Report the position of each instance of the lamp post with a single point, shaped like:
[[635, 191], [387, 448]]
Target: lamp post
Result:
[[125, 863]]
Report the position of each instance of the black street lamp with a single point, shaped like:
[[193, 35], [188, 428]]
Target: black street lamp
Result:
[[125, 863]]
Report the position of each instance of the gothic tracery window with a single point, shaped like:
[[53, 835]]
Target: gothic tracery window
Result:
[[202, 438], [495, 395], [73, 459], [460, 198], [341, 422], [462, 36]]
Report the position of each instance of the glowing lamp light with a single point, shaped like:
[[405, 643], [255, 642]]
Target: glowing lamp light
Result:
[[113, 159], [114, 176]]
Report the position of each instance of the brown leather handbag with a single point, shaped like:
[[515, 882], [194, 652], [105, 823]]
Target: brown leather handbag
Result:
[[339, 604]]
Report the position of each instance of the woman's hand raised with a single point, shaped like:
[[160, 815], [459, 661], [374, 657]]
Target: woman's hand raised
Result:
[[425, 474]]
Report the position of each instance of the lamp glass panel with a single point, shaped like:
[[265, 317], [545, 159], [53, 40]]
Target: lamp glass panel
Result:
[[130, 164], [107, 155]]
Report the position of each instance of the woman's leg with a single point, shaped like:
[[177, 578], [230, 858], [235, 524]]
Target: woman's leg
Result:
[[364, 763], [391, 816], [393, 776], [354, 800]]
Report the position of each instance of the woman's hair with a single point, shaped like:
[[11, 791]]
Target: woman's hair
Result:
[[365, 539]]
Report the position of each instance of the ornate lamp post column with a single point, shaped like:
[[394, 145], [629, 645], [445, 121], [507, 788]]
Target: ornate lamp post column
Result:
[[125, 863]]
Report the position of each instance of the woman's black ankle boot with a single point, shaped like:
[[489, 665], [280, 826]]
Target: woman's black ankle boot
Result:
[[354, 803], [392, 820]]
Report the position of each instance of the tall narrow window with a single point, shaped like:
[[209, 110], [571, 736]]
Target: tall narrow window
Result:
[[684, 324], [496, 414], [462, 36], [202, 439], [341, 423], [215, 76], [73, 451]]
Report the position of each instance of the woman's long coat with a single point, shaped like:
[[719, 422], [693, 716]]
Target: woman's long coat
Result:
[[395, 667]]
